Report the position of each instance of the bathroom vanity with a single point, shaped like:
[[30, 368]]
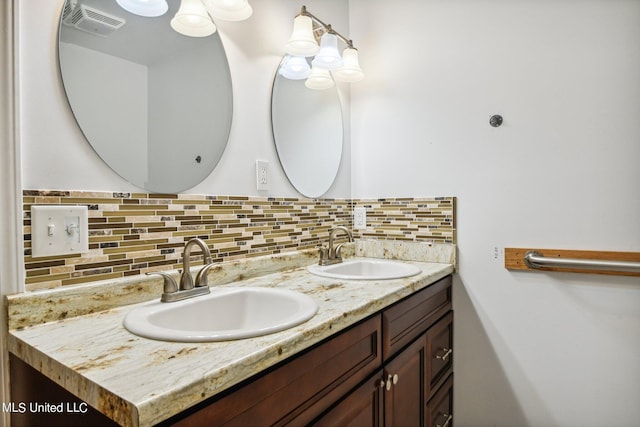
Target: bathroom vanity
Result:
[[382, 371], [376, 353]]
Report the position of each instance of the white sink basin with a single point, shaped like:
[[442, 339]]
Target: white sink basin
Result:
[[366, 269], [224, 314]]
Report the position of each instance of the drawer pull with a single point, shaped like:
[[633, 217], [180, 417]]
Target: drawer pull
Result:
[[391, 380], [448, 417], [447, 353]]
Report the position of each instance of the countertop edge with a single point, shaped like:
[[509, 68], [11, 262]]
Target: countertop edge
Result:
[[121, 411]]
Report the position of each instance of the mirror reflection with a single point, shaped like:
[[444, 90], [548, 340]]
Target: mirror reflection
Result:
[[154, 104], [308, 133]]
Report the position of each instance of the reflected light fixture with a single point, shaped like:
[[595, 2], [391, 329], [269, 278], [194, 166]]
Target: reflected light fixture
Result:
[[194, 17], [193, 20], [295, 68], [146, 8], [319, 79], [229, 10], [307, 30]]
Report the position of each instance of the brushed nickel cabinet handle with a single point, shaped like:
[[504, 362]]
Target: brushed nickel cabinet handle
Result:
[[389, 382], [447, 353], [448, 417]]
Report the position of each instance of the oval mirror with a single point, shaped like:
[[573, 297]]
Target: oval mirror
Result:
[[154, 104], [308, 133]]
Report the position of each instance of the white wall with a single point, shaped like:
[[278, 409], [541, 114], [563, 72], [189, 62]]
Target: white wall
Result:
[[128, 109], [532, 349], [56, 155]]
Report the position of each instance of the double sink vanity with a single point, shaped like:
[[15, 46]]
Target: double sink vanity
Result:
[[278, 340]]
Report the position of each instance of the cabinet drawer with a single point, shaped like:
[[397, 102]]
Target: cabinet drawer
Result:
[[300, 390], [409, 318], [439, 353], [440, 407]]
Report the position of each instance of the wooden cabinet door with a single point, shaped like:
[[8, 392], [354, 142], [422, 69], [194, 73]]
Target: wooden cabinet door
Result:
[[296, 392], [404, 378], [360, 408]]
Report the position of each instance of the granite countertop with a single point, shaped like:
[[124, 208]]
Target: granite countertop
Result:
[[140, 382]]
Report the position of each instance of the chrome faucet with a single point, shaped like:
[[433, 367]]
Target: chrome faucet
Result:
[[188, 286], [332, 255]]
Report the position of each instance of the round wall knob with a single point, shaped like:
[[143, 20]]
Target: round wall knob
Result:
[[495, 120]]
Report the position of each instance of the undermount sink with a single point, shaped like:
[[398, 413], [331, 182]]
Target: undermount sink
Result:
[[365, 269], [224, 314]]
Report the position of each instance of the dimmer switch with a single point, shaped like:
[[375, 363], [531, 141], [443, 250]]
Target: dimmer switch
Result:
[[59, 230]]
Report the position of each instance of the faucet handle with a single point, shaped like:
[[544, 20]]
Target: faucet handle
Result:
[[186, 280], [202, 276], [170, 284], [324, 253]]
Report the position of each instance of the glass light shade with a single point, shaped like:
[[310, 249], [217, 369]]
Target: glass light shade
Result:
[[302, 42], [295, 68], [328, 57], [193, 20], [319, 79], [350, 71], [229, 10], [147, 8]]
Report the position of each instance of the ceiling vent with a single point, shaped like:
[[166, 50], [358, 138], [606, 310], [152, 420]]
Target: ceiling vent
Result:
[[67, 11], [94, 21]]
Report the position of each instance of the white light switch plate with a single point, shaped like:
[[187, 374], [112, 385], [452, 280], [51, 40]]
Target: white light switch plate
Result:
[[59, 230]]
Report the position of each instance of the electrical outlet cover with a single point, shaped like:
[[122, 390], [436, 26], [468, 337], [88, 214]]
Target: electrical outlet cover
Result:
[[262, 175], [359, 218]]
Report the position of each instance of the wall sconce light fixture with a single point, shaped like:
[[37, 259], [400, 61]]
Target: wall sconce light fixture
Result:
[[303, 43], [194, 17]]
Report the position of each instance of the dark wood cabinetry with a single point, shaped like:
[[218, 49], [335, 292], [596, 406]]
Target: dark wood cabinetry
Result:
[[299, 390], [393, 369], [440, 407], [404, 387], [362, 407], [415, 387]]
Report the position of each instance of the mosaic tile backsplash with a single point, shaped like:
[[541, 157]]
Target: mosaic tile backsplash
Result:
[[133, 233]]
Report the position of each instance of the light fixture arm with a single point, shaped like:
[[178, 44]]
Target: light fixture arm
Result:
[[326, 27]]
